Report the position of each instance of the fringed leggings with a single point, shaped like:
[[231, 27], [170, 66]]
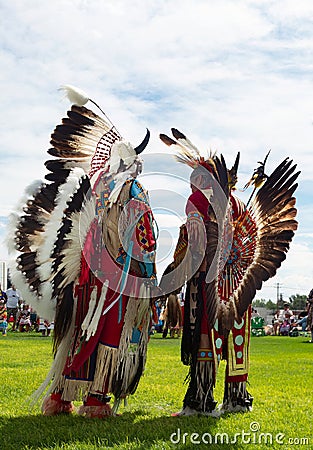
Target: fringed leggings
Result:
[[236, 394], [199, 395]]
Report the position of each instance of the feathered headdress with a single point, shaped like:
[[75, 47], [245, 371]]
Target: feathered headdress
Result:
[[50, 227], [232, 173], [261, 234], [96, 137], [188, 153], [258, 177]]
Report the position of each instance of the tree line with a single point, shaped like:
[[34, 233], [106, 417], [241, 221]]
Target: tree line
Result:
[[297, 302]]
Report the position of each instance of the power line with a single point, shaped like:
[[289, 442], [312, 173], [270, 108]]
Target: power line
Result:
[[285, 287], [294, 288]]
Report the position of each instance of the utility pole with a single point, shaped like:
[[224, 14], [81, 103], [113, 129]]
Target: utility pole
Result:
[[277, 294]]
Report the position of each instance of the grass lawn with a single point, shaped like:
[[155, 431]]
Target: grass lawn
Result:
[[281, 379]]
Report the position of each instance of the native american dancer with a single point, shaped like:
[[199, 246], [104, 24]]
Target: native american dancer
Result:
[[225, 252], [86, 251]]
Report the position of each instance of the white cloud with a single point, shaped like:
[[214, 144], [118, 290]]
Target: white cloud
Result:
[[295, 274]]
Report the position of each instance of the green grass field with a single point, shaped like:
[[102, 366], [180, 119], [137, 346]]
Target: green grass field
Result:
[[281, 378]]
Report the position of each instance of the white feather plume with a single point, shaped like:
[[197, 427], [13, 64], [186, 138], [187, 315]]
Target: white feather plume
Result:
[[81, 222], [30, 297], [75, 95], [47, 302], [50, 233]]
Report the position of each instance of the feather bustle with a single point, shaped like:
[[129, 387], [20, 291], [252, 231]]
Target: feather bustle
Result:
[[274, 211]]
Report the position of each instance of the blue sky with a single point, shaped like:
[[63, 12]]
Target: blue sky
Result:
[[231, 75]]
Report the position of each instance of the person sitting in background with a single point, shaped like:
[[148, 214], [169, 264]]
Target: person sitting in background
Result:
[[24, 322], [276, 323], [302, 319], [286, 318], [45, 327], [310, 315], [3, 318], [284, 328]]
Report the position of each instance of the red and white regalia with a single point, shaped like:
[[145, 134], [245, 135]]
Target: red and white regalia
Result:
[[85, 258]]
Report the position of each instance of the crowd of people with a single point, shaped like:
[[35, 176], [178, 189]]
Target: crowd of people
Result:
[[18, 316], [292, 323], [282, 321], [15, 315], [170, 311], [305, 318]]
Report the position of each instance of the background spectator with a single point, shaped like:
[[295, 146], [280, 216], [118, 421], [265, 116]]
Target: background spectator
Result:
[[302, 319], [3, 296], [45, 327], [14, 299], [276, 322], [24, 322], [285, 318], [3, 318], [310, 315]]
